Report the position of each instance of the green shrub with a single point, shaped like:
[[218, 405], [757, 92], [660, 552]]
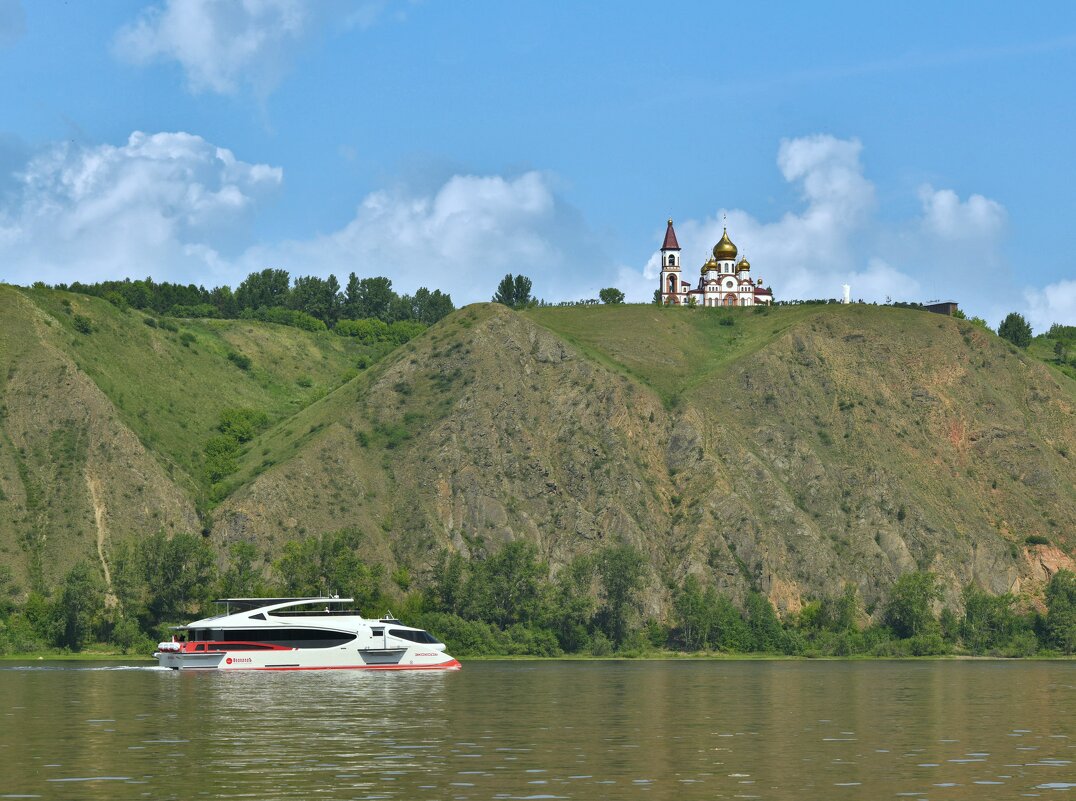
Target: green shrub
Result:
[[1036, 539], [242, 424], [82, 324], [198, 310], [290, 317], [186, 339], [152, 323], [239, 360]]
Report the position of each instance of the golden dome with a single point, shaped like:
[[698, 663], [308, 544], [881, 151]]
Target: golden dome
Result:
[[711, 264], [724, 250], [743, 265]]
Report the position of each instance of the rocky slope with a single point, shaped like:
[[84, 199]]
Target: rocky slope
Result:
[[794, 451]]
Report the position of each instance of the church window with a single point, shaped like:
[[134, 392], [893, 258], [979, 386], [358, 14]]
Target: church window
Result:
[[672, 260]]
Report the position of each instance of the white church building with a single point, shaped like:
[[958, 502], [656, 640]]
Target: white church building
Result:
[[722, 281]]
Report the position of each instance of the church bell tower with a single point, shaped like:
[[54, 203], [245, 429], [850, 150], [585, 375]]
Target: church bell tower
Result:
[[671, 282]]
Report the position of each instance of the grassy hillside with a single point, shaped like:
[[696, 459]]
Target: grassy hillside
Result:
[[791, 451]]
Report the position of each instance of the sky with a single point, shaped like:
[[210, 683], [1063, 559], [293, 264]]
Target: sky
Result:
[[916, 151]]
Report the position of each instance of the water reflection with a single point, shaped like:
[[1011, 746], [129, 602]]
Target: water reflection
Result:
[[505, 730]]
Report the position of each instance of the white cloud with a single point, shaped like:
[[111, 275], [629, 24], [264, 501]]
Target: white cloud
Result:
[[836, 238], [226, 45], [173, 205], [945, 215], [462, 238], [221, 44], [168, 205], [808, 254], [1055, 303], [158, 204]]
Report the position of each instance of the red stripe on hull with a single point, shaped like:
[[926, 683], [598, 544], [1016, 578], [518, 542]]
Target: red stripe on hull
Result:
[[453, 665]]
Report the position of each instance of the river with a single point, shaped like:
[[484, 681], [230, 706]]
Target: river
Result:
[[544, 730]]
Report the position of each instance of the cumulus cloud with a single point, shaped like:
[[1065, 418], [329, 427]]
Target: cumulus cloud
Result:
[[226, 45], [810, 253], [220, 44], [161, 203], [462, 237], [12, 22], [953, 248], [947, 216], [1055, 303], [168, 204], [173, 205]]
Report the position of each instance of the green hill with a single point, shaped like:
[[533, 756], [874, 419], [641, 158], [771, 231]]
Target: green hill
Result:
[[791, 451]]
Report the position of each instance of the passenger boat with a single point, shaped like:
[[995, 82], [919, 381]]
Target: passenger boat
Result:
[[300, 634]]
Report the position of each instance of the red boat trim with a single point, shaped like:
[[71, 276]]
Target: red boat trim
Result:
[[453, 665]]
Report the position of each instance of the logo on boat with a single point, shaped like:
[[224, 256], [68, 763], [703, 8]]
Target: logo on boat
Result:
[[237, 660]]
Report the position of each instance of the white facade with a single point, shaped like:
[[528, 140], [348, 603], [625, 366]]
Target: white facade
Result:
[[722, 280]]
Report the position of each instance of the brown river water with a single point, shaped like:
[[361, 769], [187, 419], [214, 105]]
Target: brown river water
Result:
[[544, 730]]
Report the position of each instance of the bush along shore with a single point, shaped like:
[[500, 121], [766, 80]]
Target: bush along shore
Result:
[[507, 604]]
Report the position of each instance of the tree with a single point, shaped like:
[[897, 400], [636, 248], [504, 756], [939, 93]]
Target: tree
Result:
[[242, 578], [176, 572], [1059, 351], [909, 611], [330, 563], [374, 298], [1060, 623], [571, 606], [350, 310], [657, 297], [1015, 329], [692, 614], [79, 606], [513, 291], [318, 297], [507, 587], [979, 321], [268, 288], [620, 569], [611, 296], [763, 625], [989, 620]]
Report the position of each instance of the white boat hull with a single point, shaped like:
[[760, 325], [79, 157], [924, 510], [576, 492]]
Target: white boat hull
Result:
[[340, 658]]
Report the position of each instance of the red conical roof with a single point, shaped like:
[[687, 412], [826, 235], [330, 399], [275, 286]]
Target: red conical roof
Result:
[[670, 239]]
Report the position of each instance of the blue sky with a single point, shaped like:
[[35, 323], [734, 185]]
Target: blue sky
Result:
[[916, 151]]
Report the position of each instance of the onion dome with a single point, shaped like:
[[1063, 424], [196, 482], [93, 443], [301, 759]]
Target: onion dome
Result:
[[744, 265], [711, 264], [724, 250]]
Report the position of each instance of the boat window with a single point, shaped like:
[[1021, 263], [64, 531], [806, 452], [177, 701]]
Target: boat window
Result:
[[259, 616], [245, 646], [200, 647], [413, 636], [289, 637], [377, 632]]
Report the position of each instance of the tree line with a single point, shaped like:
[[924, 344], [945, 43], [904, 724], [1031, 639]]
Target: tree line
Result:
[[510, 602], [273, 296]]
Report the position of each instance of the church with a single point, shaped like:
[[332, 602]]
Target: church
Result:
[[723, 281]]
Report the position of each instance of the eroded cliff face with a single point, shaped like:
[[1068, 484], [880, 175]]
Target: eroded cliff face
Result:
[[793, 453], [74, 479], [836, 453]]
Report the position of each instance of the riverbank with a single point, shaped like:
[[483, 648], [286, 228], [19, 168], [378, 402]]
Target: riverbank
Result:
[[661, 656]]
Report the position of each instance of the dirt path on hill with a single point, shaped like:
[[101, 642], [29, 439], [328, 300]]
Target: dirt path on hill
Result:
[[99, 517]]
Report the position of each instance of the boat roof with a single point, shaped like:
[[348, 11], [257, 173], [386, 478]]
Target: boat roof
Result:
[[257, 603]]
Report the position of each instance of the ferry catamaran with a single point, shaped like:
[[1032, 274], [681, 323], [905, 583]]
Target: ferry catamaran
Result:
[[300, 634]]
